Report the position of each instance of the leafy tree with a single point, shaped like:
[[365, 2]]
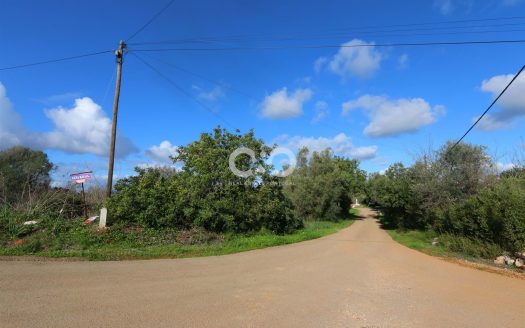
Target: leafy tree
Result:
[[322, 188], [218, 199], [23, 173], [206, 193]]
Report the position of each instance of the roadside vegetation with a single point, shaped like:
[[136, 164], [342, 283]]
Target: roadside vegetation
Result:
[[453, 201], [200, 208]]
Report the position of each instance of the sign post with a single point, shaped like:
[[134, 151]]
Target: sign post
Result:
[[80, 178]]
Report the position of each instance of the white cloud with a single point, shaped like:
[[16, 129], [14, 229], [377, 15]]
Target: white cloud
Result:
[[511, 104], [354, 58], [211, 95], [321, 108], [340, 144], [11, 130], [84, 128], [501, 167], [393, 117], [280, 104], [445, 7], [162, 152]]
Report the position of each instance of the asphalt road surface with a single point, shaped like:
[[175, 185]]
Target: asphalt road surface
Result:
[[357, 277]]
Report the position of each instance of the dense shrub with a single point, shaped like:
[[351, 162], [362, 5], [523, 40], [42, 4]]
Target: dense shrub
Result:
[[23, 174], [496, 214], [150, 199], [205, 192], [323, 187], [454, 192]]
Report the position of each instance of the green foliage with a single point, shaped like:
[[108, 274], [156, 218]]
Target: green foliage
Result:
[[205, 192], [470, 247], [149, 199], [322, 188], [72, 238], [453, 192], [496, 214], [23, 173]]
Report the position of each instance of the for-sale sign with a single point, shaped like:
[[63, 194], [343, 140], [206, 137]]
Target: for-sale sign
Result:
[[81, 177]]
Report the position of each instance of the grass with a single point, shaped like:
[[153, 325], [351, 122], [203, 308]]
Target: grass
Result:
[[419, 240], [129, 249]]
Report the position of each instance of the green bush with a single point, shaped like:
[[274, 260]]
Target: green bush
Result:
[[324, 186], [471, 247], [453, 192], [205, 192]]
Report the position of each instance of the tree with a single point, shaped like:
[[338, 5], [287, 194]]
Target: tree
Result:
[[220, 200], [23, 172], [322, 188], [205, 192]]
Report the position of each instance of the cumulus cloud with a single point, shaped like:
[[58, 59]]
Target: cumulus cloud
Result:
[[11, 130], [354, 58], [511, 104], [340, 144], [162, 152], [212, 95], [83, 128], [389, 117], [281, 105]]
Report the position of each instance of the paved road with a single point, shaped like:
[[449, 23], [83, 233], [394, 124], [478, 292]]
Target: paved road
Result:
[[358, 277]]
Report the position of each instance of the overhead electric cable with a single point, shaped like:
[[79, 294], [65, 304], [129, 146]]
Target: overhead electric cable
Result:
[[407, 44], [318, 37], [219, 84], [488, 108], [151, 20], [56, 60], [357, 28], [181, 90], [452, 30]]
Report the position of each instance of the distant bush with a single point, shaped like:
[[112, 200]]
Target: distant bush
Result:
[[323, 186]]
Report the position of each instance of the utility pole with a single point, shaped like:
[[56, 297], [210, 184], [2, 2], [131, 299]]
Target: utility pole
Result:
[[120, 58]]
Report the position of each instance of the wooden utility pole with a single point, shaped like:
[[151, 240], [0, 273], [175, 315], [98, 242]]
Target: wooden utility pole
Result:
[[120, 58]]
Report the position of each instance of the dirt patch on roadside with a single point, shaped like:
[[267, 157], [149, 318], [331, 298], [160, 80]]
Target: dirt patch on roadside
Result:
[[486, 267]]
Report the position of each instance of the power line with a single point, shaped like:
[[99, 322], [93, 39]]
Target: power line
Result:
[[488, 108], [219, 84], [451, 30], [181, 90], [151, 20], [56, 60], [357, 28], [408, 44], [319, 37]]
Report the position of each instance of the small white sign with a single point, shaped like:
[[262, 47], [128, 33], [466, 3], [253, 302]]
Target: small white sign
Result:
[[81, 177]]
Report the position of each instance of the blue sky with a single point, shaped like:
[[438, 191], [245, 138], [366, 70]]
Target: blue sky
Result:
[[377, 104]]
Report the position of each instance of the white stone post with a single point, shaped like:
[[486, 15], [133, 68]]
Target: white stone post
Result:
[[102, 218]]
